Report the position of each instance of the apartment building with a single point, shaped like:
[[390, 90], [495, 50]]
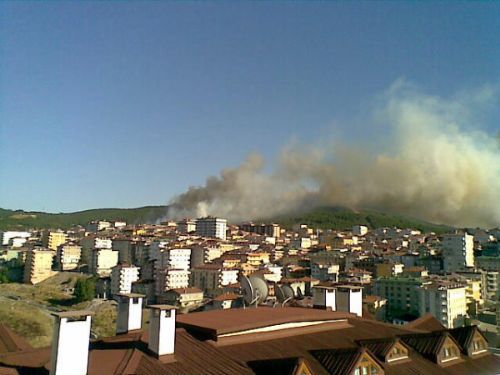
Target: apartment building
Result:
[[102, 261], [211, 278], [56, 239], [271, 230], [38, 266], [325, 271], [122, 277], [211, 227], [186, 226], [445, 300], [402, 294], [170, 278], [458, 252], [68, 256]]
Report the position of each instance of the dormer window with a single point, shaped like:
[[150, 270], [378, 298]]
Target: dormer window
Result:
[[449, 352], [479, 345], [397, 352]]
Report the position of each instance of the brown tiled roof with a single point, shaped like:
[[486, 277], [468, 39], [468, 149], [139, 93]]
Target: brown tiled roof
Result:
[[464, 335], [227, 297], [338, 361], [427, 322], [128, 353], [186, 290], [218, 322], [11, 341], [278, 366]]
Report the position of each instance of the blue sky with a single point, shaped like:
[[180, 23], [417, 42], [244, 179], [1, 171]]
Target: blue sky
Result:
[[123, 104]]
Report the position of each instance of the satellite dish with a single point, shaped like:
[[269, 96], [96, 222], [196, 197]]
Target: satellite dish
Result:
[[280, 295], [260, 289], [247, 290], [288, 291], [300, 295]]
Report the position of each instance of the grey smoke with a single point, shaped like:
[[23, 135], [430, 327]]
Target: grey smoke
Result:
[[430, 160]]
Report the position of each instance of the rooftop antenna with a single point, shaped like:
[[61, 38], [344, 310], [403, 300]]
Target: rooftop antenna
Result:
[[280, 295]]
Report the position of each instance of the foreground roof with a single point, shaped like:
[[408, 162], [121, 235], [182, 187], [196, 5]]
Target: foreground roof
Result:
[[336, 342]]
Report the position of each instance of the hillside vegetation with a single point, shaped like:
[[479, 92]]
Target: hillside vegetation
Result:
[[322, 217], [340, 218], [19, 219]]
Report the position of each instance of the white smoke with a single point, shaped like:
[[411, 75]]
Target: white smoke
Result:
[[427, 158]]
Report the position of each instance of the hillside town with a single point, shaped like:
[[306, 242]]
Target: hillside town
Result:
[[449, 282]]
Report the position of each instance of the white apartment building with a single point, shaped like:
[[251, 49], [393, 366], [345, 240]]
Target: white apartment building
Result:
[[175, 259], [458, 252], [102, 261], [167, 279], [359, 230], [122, 277], [7, 236], [446, 301], [68, 256], [211, 227]]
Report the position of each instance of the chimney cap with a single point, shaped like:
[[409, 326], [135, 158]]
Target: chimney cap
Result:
[[73, 314], [163, 307], [131, 295]]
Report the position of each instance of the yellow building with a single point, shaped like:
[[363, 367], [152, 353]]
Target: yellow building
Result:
[[38, 266], [56, 239]]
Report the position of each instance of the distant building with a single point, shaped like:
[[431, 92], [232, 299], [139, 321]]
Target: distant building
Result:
[[97, 226], [7, 236], [56, 239], [271, 230], [68, 256], [186, 226], [38, 266], [446, 301], [182, 297], [103, 260], [211, 227], [325, 271], [211, 278], [458, 252], [359, 230], [122, 277]]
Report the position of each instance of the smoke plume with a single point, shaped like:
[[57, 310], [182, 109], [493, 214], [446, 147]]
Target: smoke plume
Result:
[[426, 157]]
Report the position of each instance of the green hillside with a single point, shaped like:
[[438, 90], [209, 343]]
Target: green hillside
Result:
[[323, 217], [19, 219], [343, 218]]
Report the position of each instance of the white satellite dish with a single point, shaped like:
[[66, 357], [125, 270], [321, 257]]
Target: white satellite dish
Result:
[[260, 289], [300, 295], [288, 291], [247, 290], [280, 295]]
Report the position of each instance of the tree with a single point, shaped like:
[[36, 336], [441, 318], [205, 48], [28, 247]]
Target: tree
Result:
[[84, 290]]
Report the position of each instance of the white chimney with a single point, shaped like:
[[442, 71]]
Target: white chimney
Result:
[[350, 299], [324, 297], [70, 344], [162, 329], [129, 312]]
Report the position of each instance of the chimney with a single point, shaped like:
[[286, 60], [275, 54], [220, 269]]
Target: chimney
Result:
[[129, 312], [162, 329], [350, 299], [70, 344], [324, 297]]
